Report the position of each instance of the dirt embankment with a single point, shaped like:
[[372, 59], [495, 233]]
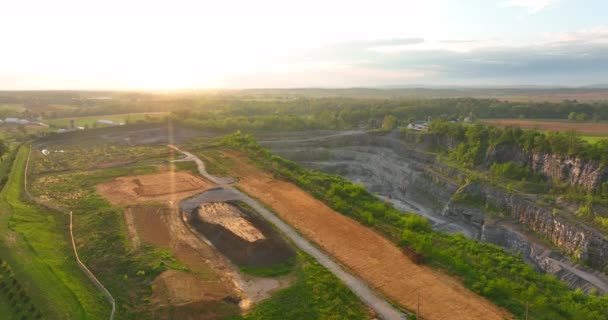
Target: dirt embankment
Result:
[[369, 255]]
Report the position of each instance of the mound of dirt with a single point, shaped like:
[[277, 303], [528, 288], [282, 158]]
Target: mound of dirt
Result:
[[240, 235], [168, 185]]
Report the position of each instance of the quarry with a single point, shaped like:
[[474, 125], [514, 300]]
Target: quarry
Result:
[[410, 178]]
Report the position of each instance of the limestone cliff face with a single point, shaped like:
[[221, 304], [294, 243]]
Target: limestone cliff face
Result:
[[585, 173], [573, 237]]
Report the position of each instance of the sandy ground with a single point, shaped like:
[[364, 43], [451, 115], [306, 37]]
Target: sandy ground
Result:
[[230, 218], [369, 255], [162, 226], [580, 127], [167, 185]]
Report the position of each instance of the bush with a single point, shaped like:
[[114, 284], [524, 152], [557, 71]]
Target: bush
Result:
[[511, 170]]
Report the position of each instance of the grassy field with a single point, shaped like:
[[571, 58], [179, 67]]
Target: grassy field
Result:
[[37, 248], [91, 121], [11, 108], [64, 158], [102, 238], [316, 294]]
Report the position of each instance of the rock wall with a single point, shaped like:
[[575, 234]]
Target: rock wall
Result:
[[543, 259], [572, 237], [586, 173]]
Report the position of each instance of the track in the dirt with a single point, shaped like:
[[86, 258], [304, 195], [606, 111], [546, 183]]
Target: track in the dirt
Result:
[[368, 296]]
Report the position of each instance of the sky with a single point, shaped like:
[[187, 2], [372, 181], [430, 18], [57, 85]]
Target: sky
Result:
[[190, 44]]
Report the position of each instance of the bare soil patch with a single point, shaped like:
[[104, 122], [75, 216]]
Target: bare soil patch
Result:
[[580, 127], [150, 223], [168, 185], [369, 255], [178, 287], [180, 295]]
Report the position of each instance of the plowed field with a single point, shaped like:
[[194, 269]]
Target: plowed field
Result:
[[168, 185], [580, 127]]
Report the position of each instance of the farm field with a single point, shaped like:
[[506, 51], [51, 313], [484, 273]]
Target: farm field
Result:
[[590, 130], [9, 131], [372, 257], [91, 121]]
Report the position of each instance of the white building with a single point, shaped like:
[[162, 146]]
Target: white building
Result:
[[418, 126], [108, 122]]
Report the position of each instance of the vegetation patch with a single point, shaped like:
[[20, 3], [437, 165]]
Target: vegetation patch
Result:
[[14, 297], [102, 240], [316, 294], [38, 249], [66, 158]]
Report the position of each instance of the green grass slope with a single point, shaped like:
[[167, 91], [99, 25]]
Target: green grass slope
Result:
[[36, 245]]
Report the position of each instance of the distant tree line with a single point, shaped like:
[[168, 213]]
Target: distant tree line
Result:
[[348, 113], [331, 112]]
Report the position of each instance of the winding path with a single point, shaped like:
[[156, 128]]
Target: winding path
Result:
[[359, 288]]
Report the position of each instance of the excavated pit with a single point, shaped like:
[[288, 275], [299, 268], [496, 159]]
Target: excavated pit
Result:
[[239, 234], [414, 181]]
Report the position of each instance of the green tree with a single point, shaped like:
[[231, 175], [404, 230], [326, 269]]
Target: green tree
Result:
[[582, 116], [3, 148], [389, 123]]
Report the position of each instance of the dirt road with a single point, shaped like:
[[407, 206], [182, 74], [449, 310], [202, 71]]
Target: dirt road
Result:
[[369, 255], [367, 295]]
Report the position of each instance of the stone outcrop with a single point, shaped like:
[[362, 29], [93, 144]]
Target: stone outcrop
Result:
[[572, 237], [577, 172]]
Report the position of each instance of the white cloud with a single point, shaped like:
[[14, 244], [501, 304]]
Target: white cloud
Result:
[[597, 35], [533, 6]]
